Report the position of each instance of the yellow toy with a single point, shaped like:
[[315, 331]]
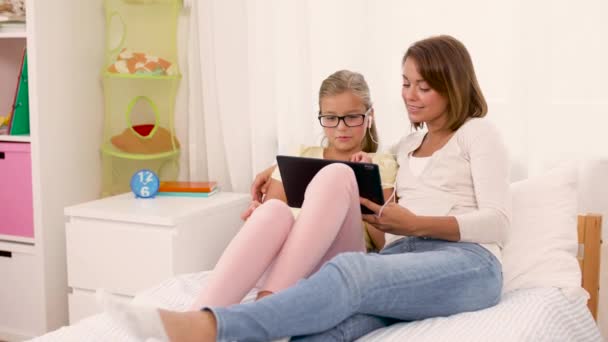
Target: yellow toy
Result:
[[4, 120], [129, 62]]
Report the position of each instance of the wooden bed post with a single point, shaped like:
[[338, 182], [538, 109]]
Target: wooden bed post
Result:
[[590, 240]]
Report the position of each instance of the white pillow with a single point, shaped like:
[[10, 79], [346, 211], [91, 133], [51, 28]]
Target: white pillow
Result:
[[542, 246]]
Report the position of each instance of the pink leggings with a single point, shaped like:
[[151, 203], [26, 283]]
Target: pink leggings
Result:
[[273, 250]]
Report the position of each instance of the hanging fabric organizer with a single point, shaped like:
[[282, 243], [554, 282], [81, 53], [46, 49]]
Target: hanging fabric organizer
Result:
[[140, 81]]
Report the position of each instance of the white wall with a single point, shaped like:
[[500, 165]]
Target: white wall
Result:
[[543, 66]]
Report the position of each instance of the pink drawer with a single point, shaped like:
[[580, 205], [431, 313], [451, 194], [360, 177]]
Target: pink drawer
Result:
[[16, 207]]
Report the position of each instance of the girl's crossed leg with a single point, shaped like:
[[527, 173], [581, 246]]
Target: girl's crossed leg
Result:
[[274, 251]]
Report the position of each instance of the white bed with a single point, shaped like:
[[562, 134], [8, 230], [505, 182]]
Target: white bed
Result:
[[542, 314], [543, 298]]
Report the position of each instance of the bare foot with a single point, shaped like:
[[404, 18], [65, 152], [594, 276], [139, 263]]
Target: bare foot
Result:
[[199, 326], [263, 294]]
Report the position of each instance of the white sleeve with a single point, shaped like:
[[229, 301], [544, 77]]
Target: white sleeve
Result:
[[394, 148], [490, 172]]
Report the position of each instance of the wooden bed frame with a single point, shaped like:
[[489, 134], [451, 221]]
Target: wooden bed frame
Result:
[[590, 240]]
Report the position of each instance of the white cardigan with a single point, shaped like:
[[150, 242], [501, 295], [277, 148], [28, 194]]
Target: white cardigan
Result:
[[467, 178]]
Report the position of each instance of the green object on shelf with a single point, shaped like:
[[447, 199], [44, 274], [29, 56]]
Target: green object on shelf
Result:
[[21, 114], [111, 150], [140, 80]]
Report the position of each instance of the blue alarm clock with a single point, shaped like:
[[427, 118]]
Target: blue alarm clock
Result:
[[145, 184]]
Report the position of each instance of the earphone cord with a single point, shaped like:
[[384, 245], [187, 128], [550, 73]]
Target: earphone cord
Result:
[[387, 201], [369, 130]]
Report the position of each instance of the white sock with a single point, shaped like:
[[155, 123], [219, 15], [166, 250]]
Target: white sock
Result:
[[141, 321]]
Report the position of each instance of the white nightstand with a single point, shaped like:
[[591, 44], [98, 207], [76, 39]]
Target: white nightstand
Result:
[[125, 245]]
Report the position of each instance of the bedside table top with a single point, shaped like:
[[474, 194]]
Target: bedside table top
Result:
[[161, 210]]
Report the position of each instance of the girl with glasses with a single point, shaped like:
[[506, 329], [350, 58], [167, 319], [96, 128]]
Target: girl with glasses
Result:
[[444, 235], [278, 245]]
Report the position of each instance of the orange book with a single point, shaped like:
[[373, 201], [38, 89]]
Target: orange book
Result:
[[187, 186]]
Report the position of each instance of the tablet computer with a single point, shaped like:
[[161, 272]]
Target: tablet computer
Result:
[[297, 172]]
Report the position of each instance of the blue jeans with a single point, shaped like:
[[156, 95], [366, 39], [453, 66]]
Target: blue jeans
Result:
[[356, 293]]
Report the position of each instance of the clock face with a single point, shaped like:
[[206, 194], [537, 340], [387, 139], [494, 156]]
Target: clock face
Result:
[[145, 183]]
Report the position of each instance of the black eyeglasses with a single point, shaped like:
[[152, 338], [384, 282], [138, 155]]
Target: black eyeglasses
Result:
[[350, 120]]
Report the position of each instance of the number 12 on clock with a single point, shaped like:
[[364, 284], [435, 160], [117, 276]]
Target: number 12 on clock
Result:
[[145, 184]]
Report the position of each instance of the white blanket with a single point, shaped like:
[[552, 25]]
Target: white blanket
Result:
[[526, 315]]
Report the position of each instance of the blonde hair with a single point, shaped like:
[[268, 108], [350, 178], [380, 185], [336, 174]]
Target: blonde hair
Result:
[[445, 64], [345, 80]]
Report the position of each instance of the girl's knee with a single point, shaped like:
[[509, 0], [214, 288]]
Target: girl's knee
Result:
[[275, 206], [336, 176], [275, 212], [337, 171]]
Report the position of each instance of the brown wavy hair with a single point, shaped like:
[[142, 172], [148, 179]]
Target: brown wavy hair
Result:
[[445, 64]]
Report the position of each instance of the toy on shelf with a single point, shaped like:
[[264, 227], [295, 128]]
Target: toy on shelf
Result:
[[141, 63], [133, 140], [4, 122], [12, 11]]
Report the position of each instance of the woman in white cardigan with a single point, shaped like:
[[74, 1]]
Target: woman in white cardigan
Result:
[[443, 236]]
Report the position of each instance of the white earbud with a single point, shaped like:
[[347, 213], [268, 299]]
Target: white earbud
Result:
[[369, 129]]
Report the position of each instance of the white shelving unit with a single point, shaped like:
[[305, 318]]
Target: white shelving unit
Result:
[[64, 40]]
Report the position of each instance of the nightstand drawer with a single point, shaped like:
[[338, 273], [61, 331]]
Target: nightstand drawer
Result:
[[119, 257]]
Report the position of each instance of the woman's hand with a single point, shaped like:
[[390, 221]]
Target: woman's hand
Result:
[[253, 206], [398, 220], [361, 157], [395, 219], [260, 184]]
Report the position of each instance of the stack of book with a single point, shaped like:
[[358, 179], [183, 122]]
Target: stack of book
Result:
[[188, 189]]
